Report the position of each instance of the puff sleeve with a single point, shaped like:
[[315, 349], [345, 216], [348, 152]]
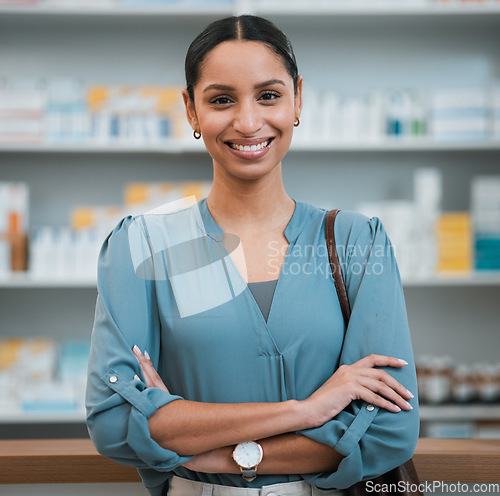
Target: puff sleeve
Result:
[[119, 405], [371, 439]]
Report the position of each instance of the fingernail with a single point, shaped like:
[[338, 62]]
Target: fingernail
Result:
[[136, 349], [411, 408], [146, 354], [397, 408], [137, 378], [404, 362], [409, 393]]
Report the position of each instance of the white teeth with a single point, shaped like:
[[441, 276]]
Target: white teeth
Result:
[[252, 148]]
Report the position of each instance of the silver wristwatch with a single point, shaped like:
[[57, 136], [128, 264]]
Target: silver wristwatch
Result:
[[248, 455]]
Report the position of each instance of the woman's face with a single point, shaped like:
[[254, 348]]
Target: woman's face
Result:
[[245, 107]]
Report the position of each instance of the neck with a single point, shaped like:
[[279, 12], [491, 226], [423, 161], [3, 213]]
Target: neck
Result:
[[242, 206]]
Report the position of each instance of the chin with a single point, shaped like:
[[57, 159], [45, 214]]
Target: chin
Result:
[[249, 171]]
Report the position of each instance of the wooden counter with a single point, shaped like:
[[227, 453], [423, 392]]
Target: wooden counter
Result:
[[76, 461]]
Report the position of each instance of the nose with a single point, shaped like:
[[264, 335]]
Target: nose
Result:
[[248, 118]]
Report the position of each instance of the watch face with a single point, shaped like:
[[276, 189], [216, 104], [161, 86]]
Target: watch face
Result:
[[247, 455]]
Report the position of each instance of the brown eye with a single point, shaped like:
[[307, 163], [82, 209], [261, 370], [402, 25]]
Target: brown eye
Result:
[[221, 100], [269, 95]]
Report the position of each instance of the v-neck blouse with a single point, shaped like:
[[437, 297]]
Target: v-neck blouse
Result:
[[167, 284]]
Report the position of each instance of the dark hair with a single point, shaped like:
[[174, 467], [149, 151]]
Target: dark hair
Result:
[[244, 27]]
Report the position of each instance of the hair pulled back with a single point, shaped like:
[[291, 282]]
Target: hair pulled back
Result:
[[244, 27]]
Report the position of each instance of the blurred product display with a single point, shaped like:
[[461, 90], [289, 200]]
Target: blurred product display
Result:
[[461, 115], [378, 3], [427, 241], [402, 95], [42, 375], [447, 115], [65, 111], [441, 380], [73, 251], [496, 113], [431, 242], [454, 238], [116, 3], [62, 111], [410, 224], [485, 206], [14, 212]]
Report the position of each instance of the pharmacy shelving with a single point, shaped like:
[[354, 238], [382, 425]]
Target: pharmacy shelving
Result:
[[46, 417], [366, 9], [451, 412], [393, 145], [474, 279], [170, 146], [336, 44], [26, 280], [358, 9], [173, 146], [107, 11]]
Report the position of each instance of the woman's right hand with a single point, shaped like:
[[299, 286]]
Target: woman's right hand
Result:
[[359, 381]]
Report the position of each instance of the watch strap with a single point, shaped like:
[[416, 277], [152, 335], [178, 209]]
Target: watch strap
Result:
[[249, 474]]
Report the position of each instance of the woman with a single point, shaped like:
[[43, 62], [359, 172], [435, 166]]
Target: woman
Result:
[[234, 300]]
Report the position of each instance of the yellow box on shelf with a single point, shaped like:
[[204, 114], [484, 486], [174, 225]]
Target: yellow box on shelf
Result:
[[454, 221], [93, 217], [454, 240], [143, 197]]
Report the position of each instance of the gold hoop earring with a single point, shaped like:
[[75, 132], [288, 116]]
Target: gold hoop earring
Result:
[[297, 122], [196, 134]]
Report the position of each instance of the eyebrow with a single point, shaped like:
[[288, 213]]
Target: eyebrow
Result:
[[223, 87]]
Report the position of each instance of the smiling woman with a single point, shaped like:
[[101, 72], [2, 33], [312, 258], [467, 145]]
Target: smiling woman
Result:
[[245, 104], [253, 384]]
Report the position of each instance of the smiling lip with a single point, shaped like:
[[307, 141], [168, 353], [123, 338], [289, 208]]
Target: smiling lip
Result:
[[250, 148]]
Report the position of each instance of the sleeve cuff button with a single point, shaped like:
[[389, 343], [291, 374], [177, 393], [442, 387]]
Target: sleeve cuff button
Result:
[[370, 408], [113, 379]]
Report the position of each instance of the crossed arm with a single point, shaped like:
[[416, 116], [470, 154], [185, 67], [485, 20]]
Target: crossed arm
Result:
[[209, 431]]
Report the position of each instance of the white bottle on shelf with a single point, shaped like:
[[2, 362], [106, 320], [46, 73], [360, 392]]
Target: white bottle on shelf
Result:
[[427, 187]]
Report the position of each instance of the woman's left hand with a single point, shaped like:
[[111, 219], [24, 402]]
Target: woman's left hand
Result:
[[150, 374]]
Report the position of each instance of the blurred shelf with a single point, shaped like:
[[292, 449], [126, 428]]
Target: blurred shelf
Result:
[[48, 417], [174, 146], [484, 278], [168, 146], [365, 9], [459, 412], [22, 280], [108, 11], [321, 8], [393, 145]]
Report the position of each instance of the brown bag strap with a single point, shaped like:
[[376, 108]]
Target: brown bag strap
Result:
[[335, 265], [405, 472]]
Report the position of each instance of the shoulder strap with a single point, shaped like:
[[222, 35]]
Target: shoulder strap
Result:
[[335, 265], [405, 473]]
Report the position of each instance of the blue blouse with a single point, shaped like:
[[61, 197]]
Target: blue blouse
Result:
[[167, 284]]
